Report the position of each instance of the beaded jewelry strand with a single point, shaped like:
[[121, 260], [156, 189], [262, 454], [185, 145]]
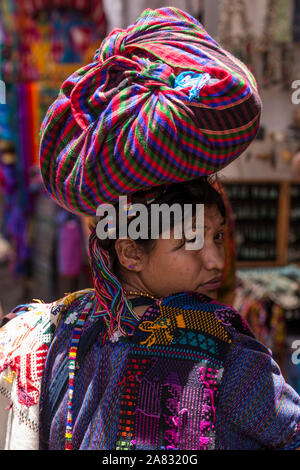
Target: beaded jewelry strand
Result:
[[139, 294], [76, 334]]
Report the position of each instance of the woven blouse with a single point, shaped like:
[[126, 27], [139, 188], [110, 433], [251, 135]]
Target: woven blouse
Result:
[[191, 377]]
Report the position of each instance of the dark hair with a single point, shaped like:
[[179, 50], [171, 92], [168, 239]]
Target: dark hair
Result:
[[197, 191]]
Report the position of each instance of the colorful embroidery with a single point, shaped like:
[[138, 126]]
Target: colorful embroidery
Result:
[[24, 344], [71, 318], [179, 352], [23, 350], [131, 394], [159, 331]]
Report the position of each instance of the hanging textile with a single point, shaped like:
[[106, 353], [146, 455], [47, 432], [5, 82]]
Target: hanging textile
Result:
[[70, 245], [236, 30], [269, 299], [296, 21], [43, 43]]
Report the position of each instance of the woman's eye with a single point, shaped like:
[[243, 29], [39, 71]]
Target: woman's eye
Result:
[[220, 236]]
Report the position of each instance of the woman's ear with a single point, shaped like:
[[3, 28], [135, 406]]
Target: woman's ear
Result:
[[130, 256]]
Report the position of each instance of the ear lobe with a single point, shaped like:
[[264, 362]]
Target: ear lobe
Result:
[[129, 254]]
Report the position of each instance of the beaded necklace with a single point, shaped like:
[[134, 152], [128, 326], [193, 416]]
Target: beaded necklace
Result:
[[139, 294]]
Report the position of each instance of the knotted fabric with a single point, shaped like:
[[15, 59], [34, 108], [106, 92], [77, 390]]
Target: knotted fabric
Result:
[[161, 102]]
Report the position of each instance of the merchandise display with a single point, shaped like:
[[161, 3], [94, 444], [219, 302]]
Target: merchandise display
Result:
[[269, 299], [42, 43], [251, 204], [294, 233]]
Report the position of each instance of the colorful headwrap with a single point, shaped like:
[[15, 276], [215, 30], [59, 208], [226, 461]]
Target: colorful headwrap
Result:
[[162, 102]]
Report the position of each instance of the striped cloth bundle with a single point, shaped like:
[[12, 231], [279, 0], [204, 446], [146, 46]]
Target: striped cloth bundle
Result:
[[162, 102]]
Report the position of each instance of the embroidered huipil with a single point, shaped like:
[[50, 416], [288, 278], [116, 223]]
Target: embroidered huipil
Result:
[[192, 377]]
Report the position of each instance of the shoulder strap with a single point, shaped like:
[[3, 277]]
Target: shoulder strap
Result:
[[59, 385]]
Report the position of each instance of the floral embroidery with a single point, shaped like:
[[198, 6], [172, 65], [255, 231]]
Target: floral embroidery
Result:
[[71, 318], [25, 340]]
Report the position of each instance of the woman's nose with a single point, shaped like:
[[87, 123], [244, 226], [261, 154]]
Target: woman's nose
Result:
[[212, 257]]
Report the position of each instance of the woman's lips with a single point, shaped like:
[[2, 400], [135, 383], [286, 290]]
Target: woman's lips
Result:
[[213, 285]]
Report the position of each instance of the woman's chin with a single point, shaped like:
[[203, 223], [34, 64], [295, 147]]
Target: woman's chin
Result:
[[213, 294]]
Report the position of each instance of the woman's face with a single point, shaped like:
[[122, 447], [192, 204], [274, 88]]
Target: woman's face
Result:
[[170, 267]]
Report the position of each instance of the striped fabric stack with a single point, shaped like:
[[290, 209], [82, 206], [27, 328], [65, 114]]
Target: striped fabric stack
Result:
[[162, 102]]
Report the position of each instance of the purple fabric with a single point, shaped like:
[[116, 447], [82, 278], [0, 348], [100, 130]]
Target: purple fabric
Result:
[[70, 249]]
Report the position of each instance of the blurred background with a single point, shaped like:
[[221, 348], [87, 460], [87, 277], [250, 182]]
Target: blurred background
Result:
[[44, 249]]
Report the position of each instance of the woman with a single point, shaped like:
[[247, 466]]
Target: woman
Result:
[[147, 359]]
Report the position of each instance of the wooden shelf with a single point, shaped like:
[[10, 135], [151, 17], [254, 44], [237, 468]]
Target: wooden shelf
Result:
[[282, 224], [258, 264]]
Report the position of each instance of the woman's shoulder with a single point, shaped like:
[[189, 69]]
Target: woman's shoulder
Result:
[[25, 340], [34, 316], [226, 315]]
